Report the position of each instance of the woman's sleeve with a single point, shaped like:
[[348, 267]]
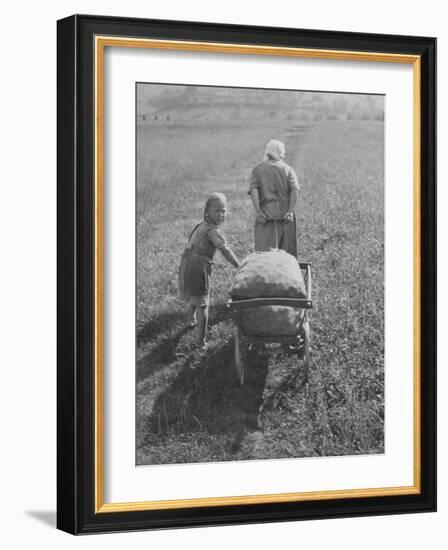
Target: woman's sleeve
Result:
[[293, 181], [217, 238], [254, 180]]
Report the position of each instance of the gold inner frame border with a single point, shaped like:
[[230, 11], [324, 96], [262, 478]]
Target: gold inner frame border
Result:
[[100, 43]]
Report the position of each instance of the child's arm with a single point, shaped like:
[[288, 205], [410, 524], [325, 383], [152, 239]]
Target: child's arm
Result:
[[220, 243], [230, 256]]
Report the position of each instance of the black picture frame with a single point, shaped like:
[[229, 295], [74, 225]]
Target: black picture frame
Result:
[[76, 404]]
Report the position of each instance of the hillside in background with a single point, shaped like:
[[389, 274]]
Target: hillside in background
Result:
[[202, 104]]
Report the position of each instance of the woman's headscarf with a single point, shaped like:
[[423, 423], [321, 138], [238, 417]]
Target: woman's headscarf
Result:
[[214, 197], [275, 150]]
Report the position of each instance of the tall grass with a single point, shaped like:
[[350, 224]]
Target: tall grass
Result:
[[189, 408]]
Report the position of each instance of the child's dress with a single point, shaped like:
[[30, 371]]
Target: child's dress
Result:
[[197, 261]]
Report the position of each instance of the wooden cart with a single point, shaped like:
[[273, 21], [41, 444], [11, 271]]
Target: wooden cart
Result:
[[299, 341]]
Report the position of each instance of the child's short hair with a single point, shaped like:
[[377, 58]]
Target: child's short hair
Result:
[[214, 197]]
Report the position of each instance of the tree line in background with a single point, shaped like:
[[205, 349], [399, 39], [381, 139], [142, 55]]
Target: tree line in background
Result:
[[179, 102]]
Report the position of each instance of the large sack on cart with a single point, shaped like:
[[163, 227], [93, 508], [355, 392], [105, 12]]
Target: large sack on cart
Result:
[[270, 321], [273, 273]]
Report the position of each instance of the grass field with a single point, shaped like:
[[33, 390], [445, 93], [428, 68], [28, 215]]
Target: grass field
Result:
[[189, 406]]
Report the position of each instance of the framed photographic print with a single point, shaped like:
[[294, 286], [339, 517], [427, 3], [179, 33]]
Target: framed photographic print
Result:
[[246, 274]]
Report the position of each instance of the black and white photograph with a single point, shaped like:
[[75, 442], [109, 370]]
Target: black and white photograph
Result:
[[259, 274]]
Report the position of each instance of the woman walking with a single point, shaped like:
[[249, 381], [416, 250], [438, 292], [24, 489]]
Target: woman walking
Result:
[[274, 190]]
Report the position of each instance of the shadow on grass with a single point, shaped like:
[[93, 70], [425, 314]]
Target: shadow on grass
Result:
[[159, 324], [161, 355], [168, 319], [206, 397], [164, 351]]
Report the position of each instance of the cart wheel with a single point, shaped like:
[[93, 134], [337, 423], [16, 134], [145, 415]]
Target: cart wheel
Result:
[[240, 356]]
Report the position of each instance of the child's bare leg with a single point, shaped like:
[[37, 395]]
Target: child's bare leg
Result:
[[203, 324], [191, 315]]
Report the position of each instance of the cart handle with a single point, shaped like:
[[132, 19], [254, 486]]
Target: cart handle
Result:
[[236, 305]]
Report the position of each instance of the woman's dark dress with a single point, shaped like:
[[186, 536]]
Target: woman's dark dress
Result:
[[274, 181]]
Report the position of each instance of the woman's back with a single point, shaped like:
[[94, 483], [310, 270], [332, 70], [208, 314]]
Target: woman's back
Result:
[[274, 181]]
